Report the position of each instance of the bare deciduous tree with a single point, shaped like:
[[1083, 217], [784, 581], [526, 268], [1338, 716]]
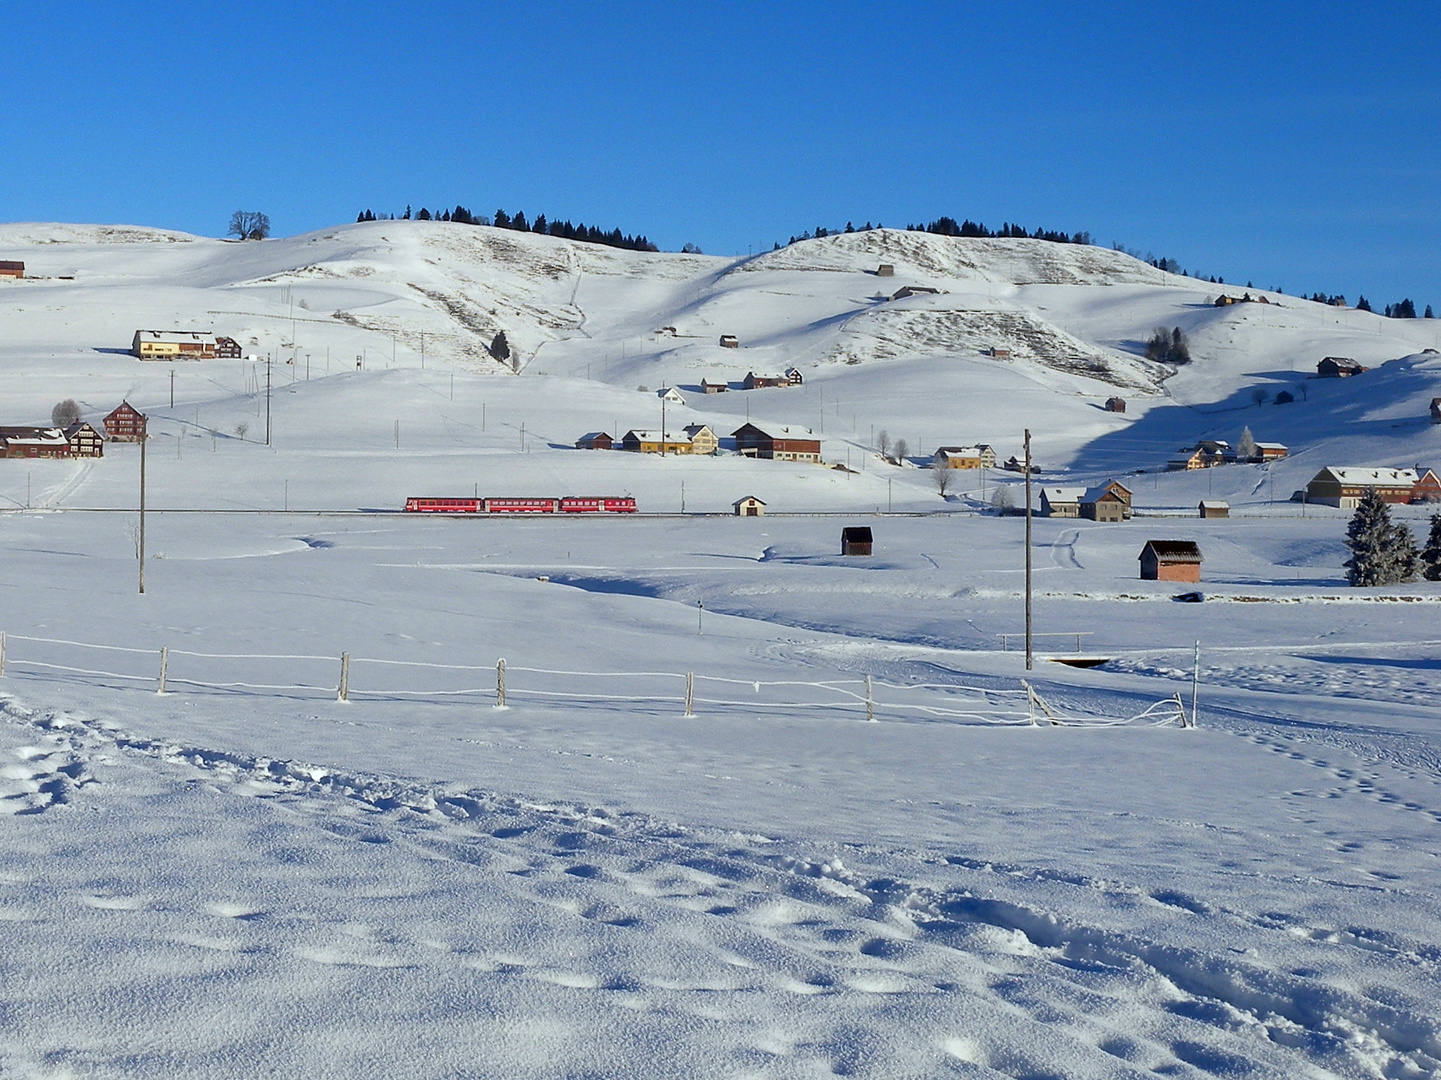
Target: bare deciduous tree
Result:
[[249, 225], [941, 473], [65, 413], [241, 428], [883, 443], [1001, 498], [903, 451]]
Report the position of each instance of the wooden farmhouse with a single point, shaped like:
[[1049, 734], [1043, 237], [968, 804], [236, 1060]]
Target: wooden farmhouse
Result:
[[1436, 410], [1344, 486], [1206, 454], [1014, 464], [1270, 451], [670, 394], [124, 424], [84, 440], [1061, 501], [785, 445], [979, 456], [711, 386], [1338, 367], [1115, 404], [1214, 508], [702, 439], [1427, 489], [182, 345], [1171, 560], [794, 376], [595, 440], [12, 269], [856, 540], [750, 506], [643, 441], [754, 381], [33, 442], [1110, 501]]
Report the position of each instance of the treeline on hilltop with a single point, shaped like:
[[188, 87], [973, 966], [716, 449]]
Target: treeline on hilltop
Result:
[[941, 226], [502, 220]]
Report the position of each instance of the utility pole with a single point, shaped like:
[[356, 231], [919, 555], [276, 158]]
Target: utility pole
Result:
[[267, 399], [142, 504], [422, 350], [172, 388], [663, 450], [1029, 655]]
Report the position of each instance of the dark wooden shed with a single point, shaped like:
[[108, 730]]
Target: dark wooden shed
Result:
[[856, 540]]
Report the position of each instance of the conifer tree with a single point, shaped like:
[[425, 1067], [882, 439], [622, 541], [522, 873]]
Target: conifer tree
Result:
[[1431, 553], [1382, 551], [1246, 445]]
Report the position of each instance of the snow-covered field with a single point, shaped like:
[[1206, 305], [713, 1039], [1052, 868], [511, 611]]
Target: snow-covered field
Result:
[[245, 877]]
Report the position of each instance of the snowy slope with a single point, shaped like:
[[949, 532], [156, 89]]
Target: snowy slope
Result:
[[245, 877]]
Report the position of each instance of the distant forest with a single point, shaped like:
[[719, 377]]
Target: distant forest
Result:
[[941, 226], [502, 220]]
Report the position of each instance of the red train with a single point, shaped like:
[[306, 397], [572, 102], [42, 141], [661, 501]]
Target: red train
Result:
[[570, 504]]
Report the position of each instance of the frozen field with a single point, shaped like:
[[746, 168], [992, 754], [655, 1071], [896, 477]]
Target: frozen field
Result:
[[244, 876]]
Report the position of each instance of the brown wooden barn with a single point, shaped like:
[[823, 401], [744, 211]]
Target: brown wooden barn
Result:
[[124, 424], [1338, 367], [1171, 560], [1115, 404], [595, 440], [33, 442], [1214, 508], [751, 441], [12, 269], [856, 540]]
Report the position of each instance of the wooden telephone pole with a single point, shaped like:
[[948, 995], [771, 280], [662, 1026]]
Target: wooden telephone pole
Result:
[[1029, 655]]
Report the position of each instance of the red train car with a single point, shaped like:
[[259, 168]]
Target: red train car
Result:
[[598, 504], [419, 504], [521, 506]]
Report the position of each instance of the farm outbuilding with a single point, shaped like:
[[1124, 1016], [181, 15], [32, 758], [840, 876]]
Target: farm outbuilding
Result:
[[729, 341], [1214, 508], [856, 540], [1115, 404], [1171, 560], [886, 270], [1436, 410], [9, 268], [750, 506], [595, 440]]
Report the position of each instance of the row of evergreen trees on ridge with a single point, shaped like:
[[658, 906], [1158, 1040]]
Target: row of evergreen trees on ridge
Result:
[[941, 226], [501, 220], [1383, 552]]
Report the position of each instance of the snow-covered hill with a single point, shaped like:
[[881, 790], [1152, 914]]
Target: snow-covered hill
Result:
[[244, 876]]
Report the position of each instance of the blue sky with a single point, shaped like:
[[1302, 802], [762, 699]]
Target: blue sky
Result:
[[1289, 144]]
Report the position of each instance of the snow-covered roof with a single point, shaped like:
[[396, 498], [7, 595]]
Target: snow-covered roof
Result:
[[1270, 446], [1099, 491], [174, 337], [962, 451], [1347, 474], [1063, 494]]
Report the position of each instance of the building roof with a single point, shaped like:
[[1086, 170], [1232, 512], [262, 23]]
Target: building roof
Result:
[[963, 451], [1347, 474], [1215, 504], [1100, 491], [749, 498], [38, 436], [1270, 446], [174, 336], [1173, 551], [695, 429], [1063, 494], [591, 436]]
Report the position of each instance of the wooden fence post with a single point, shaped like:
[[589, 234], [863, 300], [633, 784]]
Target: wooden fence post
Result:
[[689, 693], [2, 652], [164, 667], [500, 683], [1030, 703], [870, 701], [343, 694]]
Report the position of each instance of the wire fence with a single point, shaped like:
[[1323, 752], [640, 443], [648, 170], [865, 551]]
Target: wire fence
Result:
[[347, 678]]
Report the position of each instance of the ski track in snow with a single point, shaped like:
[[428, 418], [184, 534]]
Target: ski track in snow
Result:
[[1054, 986]]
